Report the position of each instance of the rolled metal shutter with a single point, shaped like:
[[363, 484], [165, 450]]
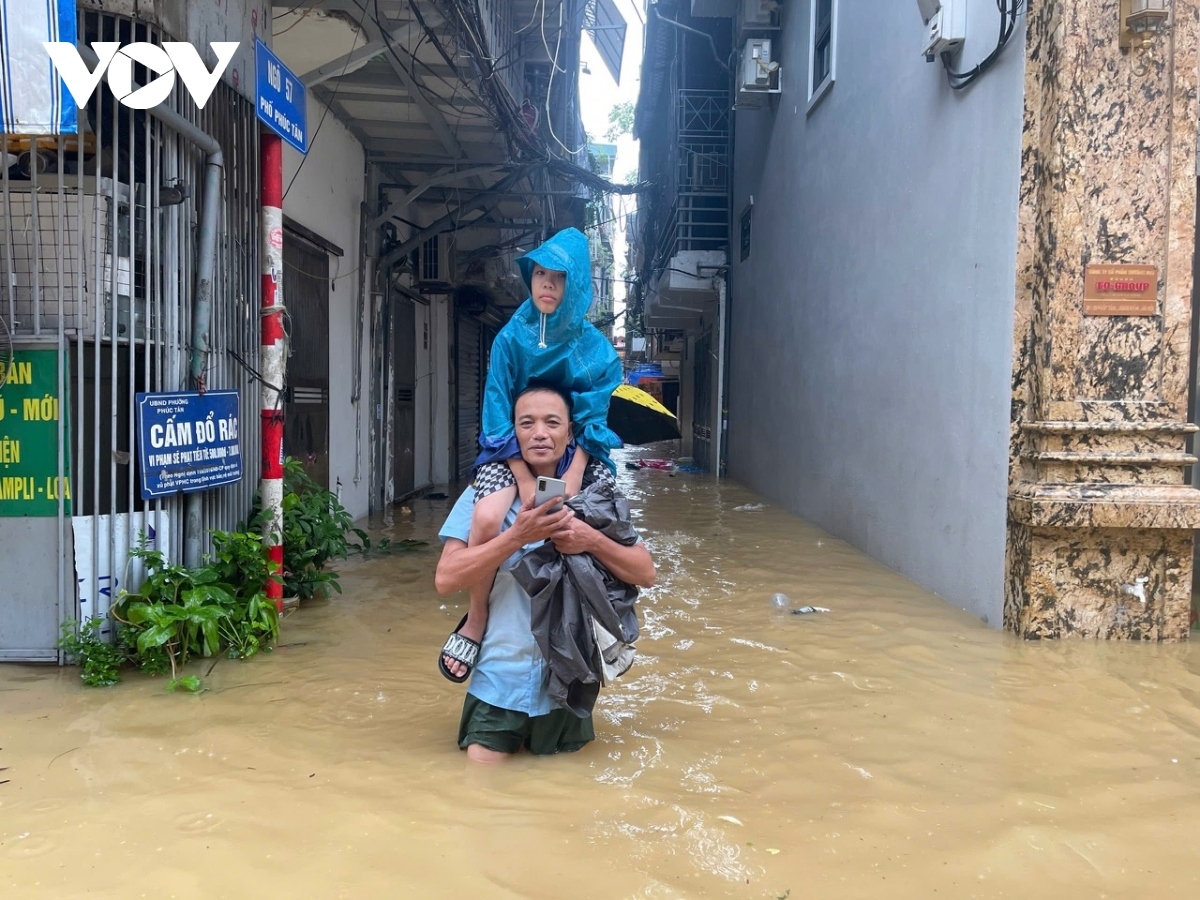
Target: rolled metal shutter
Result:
[[702, 406], [469, 379]]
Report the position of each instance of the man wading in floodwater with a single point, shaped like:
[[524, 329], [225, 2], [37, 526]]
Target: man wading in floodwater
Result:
[[509, 702]]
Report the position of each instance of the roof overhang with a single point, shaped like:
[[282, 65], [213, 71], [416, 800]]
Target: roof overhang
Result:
[[452, 135], [604, 22]]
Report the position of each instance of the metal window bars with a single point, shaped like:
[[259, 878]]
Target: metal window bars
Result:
[[97, 259]]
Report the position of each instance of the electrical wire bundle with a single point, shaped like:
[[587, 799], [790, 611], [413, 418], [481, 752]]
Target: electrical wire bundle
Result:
[[466, 38], [1009, 10], [409, 59], [504, 106]]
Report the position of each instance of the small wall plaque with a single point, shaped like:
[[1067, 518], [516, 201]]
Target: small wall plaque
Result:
[[1120, 290]]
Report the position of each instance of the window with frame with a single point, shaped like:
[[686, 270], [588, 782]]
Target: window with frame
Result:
[[430, 258], [821, 48]]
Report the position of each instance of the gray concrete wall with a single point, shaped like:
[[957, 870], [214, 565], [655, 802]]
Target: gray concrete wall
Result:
[[871, 327]]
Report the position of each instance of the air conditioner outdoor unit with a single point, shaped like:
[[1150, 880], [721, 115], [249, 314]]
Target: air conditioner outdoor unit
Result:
[[758, 16], [945, 26], [60, 252], [759, 74]]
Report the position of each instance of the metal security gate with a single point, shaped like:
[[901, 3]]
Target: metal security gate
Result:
[[468, 365], [702, 407], [404, 328], [306, 417], [98, 261]]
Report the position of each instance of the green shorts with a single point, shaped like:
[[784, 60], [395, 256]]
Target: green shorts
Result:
[[506, 731]]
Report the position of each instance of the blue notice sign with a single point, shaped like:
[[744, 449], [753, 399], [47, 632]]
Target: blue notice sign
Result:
[[279, 98], [188, 441]]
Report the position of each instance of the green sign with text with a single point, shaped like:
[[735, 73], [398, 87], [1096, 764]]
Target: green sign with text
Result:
[[29, 420]]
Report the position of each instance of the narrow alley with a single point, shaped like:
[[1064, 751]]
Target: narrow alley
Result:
[[891, 747], [895, 301]]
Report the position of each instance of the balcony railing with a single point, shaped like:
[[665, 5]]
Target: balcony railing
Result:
[[695, 205]]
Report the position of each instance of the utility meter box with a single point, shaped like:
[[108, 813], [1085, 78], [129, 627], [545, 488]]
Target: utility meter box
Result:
[[945, 26], [759, 73]]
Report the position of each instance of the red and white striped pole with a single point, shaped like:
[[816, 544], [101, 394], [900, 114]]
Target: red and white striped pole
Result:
[[273, 355]]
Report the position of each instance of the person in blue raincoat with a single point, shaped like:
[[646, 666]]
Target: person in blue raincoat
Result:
[[547, 341]]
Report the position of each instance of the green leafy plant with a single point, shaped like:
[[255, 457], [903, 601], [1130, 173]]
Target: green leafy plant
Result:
[[315, 525], [240, 561], [176, 609], [620, 120], [99, 661], [190, 683], [315, 531], [153, 662], [182, 613]]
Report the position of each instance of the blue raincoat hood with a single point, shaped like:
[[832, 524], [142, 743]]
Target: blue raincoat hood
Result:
[[563, 348], [567, 251]]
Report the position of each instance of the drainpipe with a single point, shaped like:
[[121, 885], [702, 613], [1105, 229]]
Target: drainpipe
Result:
[[201, 313], [210, 206], [719, 423]]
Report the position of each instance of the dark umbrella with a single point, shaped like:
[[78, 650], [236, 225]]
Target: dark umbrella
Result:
[[638, 418]]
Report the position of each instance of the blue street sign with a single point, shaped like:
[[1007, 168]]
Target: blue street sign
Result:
[[279, 98], [188, 441]]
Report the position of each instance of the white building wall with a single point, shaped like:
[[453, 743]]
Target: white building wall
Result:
[[872, 325], [326, 197]]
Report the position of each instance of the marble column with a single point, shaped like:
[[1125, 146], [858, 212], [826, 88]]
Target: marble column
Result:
[[1100, 517]]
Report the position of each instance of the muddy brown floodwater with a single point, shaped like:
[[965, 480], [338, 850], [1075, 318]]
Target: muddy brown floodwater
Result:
[[894, 747]]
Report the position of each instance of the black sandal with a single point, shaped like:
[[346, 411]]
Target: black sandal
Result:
[[459, 648]]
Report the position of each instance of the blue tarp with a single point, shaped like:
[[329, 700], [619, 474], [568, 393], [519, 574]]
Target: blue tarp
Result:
[[644, 370], [33, 99]]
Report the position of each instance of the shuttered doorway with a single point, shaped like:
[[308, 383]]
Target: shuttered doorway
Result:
[[306, 295], [468, 368], [702, 409], [404, 379]]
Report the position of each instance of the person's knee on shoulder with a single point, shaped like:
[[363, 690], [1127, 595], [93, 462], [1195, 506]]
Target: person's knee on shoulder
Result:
[[488, 516]]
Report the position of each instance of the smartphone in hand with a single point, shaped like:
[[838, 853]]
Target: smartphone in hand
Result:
[[549, 489]]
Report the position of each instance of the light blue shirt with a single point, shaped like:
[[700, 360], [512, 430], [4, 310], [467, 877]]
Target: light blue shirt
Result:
[[510, 672]]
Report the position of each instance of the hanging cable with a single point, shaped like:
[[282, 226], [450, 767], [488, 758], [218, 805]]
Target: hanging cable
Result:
[[1009, 10], [554, 67]]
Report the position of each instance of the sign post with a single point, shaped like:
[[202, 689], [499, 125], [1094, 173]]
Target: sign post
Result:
[[280, 101], [272, 357]]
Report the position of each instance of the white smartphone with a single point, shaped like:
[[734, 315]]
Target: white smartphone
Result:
[[548, 489]]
